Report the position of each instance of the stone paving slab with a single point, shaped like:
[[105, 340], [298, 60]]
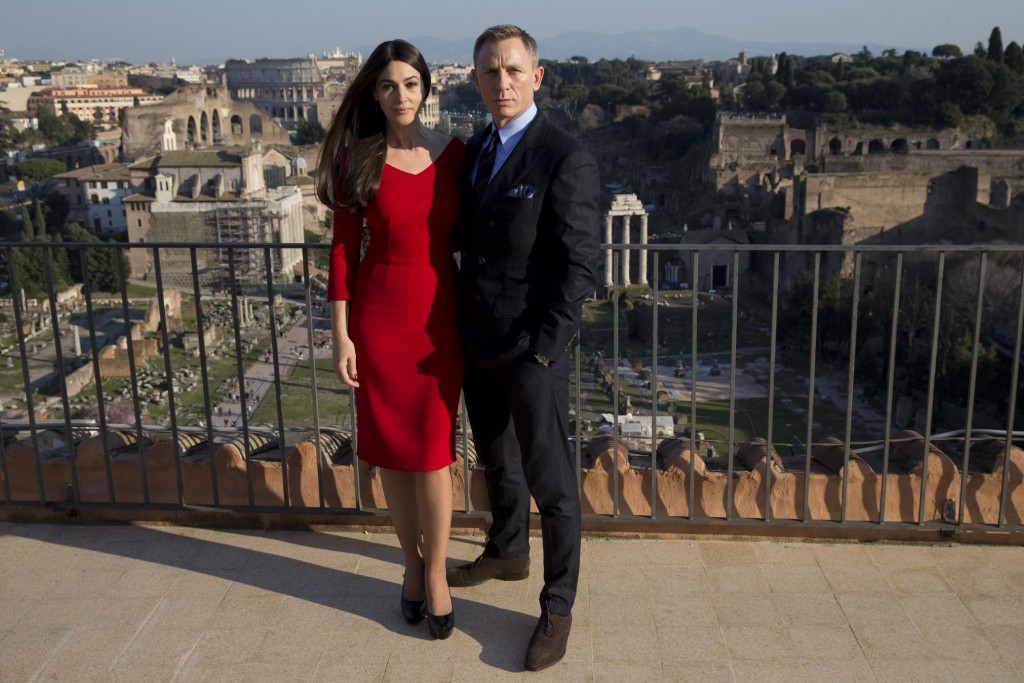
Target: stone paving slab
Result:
[[176, 604]]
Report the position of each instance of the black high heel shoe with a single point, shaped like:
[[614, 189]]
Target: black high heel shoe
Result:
[[441, 627], [413, 610]]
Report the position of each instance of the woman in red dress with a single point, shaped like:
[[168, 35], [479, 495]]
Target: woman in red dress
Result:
[[393, 313]]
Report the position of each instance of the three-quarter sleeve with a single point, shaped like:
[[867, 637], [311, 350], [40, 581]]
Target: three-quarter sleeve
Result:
[[341, 276]]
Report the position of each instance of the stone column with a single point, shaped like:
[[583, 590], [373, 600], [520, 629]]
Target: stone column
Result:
[[643, 252], [608, 220], [78, 340], [625, 252]]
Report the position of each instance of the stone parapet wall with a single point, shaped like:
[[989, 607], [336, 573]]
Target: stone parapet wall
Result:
[[609, 476]]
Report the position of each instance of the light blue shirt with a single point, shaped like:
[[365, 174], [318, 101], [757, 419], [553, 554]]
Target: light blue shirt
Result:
[[510, 135]]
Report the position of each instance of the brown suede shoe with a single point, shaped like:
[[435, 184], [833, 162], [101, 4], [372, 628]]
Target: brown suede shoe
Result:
[[547, 645], [486, 568]]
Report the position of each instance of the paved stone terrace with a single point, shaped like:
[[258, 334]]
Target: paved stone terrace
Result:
[[165, 603]]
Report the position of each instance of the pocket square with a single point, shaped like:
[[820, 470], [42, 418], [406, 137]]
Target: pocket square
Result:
[[522, 191]]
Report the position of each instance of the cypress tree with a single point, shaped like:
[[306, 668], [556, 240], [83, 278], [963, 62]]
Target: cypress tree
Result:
[[995, 46], [1014, 57], [39, 221], [28, 231]]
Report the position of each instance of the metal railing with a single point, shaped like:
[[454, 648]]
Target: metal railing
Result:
[[875, 315]]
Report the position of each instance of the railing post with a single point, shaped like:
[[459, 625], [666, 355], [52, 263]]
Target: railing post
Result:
[[169, 375], [62, 373], [1011, 413], [133, 375], [813, 359], [654, 391], [733, 342], [972, 387], [272, 317], [890, 384], [850, 375], [932, 364], [201, 332], [101, 408], [615, 393], [771, 386]]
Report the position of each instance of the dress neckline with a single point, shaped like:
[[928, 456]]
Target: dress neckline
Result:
[[428, 166]]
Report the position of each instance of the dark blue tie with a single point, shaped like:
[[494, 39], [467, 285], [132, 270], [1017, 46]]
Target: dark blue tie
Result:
[[485, 164]]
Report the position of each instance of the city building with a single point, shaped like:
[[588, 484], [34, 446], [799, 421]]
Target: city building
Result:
[[84, 102], [215, 196], [288, 89], [96, 197], [201, 116], [77, 78], [339, 66]]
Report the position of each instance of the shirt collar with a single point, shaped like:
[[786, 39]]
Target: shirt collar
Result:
[[517, 124]]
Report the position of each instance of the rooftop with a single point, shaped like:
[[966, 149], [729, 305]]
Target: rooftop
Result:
[[184, 158], [99, 172], [169, 603]]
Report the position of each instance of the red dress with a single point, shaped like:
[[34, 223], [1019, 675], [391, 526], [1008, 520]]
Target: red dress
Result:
[[402, 315]]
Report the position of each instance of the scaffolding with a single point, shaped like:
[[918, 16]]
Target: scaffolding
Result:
[[247, 223]]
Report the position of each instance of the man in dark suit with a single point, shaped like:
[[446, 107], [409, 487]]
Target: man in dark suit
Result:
[[530, 246]]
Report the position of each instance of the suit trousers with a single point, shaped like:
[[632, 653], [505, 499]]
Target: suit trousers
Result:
[[520, 418]]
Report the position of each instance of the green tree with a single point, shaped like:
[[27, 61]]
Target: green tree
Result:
[[760, 96], [51, 127], [834, 102], [97, 114], [946, 51], [571, 97], [56, 208], [38, 221], [38, 169], [10, 228], [995, 46], [1014, 57], [28, 228], [29, 271], [60, 266], [309, 132], [101, 262], [9, 135], [966, 82], [77, 129], [608, 95], [787, 71], [1007, 91]]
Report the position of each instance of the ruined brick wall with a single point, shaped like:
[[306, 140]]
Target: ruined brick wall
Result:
[[238, 122], [183, 226], [876, 200]]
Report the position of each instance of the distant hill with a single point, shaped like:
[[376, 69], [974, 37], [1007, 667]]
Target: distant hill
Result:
[[671, 44]]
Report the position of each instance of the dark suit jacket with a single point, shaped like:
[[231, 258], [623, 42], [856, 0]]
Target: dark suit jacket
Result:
[[529, 248]]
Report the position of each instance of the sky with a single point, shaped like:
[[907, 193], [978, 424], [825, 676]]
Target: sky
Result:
[[205, 31]]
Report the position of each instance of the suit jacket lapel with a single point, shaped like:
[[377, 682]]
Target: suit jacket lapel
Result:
[[522, 159]]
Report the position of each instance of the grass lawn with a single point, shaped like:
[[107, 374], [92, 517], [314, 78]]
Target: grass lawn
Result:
[[714, 320], [297, 399]]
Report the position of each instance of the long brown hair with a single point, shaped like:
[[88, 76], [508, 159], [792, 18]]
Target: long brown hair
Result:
[[353, 153]]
